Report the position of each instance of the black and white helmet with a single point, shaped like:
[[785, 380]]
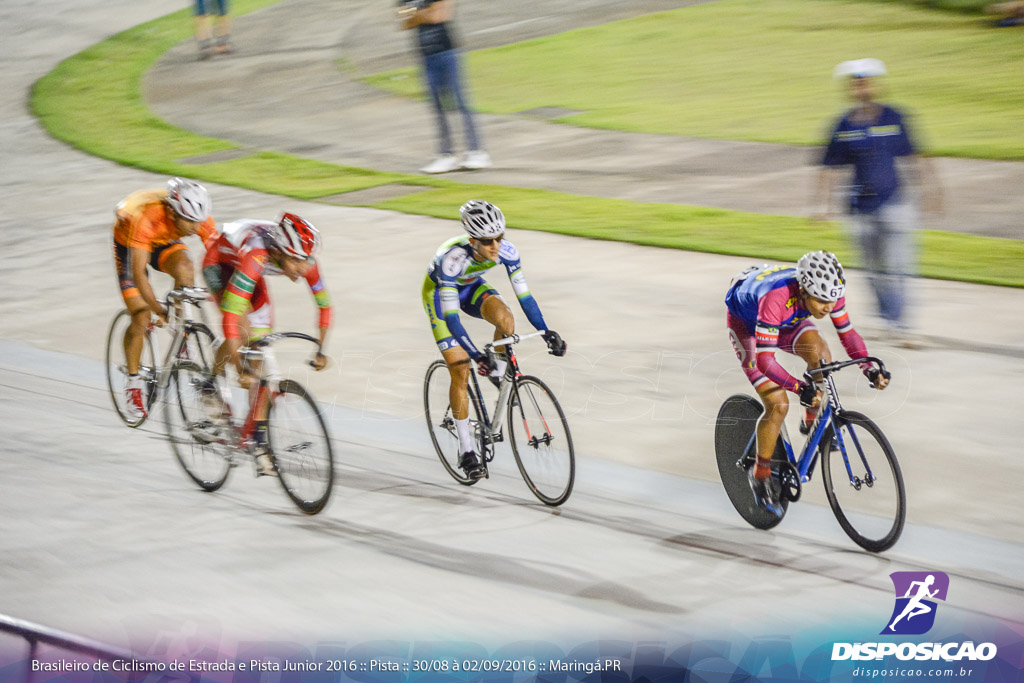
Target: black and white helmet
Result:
[[189, 199], [821, 275], [482, 219]]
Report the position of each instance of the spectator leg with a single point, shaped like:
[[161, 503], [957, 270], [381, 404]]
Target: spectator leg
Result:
[[868, 231], [900, 254], [433, 67], [455, 79]]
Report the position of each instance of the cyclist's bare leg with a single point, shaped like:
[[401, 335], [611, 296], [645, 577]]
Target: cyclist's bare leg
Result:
[[179, 266], [496, 312], [813, 349], [459, 368], [135, 335], [776, 405]]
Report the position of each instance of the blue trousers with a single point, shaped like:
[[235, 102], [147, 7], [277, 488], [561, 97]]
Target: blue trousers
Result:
[[887, 245], [442, 74]]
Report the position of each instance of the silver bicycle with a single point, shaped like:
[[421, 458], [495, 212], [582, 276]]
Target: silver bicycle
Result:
[[192, 340], [537, 429]]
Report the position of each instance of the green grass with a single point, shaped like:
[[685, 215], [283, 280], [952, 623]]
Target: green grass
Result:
[[948, 256], [760, 70], [93, 102]]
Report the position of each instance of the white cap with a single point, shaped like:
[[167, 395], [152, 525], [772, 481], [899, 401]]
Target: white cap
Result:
[[860, 68]]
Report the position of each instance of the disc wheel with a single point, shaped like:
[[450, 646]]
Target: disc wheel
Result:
[[864, 484], [441, 422], [541, 441], [301, 447], [117, 369], [734, 430]]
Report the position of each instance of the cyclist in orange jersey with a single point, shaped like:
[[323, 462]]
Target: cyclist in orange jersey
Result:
[[148, 230]]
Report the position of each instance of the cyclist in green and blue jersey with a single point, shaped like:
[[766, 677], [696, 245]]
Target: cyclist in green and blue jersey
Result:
[[454, 283]]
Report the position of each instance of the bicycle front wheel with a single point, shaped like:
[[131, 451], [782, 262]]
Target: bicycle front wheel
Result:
[[441, 422], [864, 484], [541, 441], [117, 369], [194, 428], [301, 446]]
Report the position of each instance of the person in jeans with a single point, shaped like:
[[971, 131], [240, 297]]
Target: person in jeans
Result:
[[432, 21], [870, 137], [213, 28]]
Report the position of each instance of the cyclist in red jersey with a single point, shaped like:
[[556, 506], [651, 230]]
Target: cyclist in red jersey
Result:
[[235, 269], [148, 230], [770, 308]]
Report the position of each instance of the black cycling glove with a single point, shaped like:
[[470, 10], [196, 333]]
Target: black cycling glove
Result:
[[807, 393], [556, 345]]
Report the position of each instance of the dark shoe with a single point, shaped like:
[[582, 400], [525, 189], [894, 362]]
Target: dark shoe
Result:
[[764, 493], [470, 463]]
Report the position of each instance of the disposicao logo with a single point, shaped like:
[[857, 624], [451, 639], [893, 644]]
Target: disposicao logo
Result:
[[916, 593], [914, 614]]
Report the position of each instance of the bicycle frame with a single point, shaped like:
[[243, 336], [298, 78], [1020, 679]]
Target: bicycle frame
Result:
[[830, 409], [269, 378], [181, 324], [504, 388]]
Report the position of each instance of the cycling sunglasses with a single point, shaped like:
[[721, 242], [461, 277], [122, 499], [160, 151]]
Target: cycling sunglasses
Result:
[[488, 241]]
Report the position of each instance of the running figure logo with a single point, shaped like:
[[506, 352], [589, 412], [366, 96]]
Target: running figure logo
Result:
[[916, 593]]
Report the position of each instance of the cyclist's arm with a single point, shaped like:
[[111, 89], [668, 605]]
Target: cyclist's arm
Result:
[[771, 311], [322, 298], [449, 296], [208, 232], [514, 266], [849, 337], [445, 278], [140, 259], [139, 243], [237, 295]]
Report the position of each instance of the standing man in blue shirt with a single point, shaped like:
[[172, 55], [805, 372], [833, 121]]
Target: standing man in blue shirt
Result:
[[869, 137], [432, 21]]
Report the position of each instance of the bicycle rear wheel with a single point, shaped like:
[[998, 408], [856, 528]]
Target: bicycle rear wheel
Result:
[[197, 438], [301, 446], [117, 369], [864, 484], [734, 429], [441, 423], [541, 441]]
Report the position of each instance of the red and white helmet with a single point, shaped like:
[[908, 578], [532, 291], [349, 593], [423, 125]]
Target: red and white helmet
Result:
[[189, 199], [297, 237]]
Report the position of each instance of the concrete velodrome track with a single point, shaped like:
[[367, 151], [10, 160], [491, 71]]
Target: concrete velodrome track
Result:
[[101, 534]]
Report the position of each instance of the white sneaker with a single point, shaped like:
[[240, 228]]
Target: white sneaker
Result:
[[442, 164], [135, 407], [476, 159]]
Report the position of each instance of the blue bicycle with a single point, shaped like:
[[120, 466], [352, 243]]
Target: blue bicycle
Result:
[[862, 477]]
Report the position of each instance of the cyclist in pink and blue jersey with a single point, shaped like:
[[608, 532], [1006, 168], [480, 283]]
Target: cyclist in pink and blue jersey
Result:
[[771, 308]]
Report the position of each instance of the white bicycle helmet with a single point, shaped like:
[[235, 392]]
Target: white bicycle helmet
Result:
[[482, 219], [821, 275], [189, 199]]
